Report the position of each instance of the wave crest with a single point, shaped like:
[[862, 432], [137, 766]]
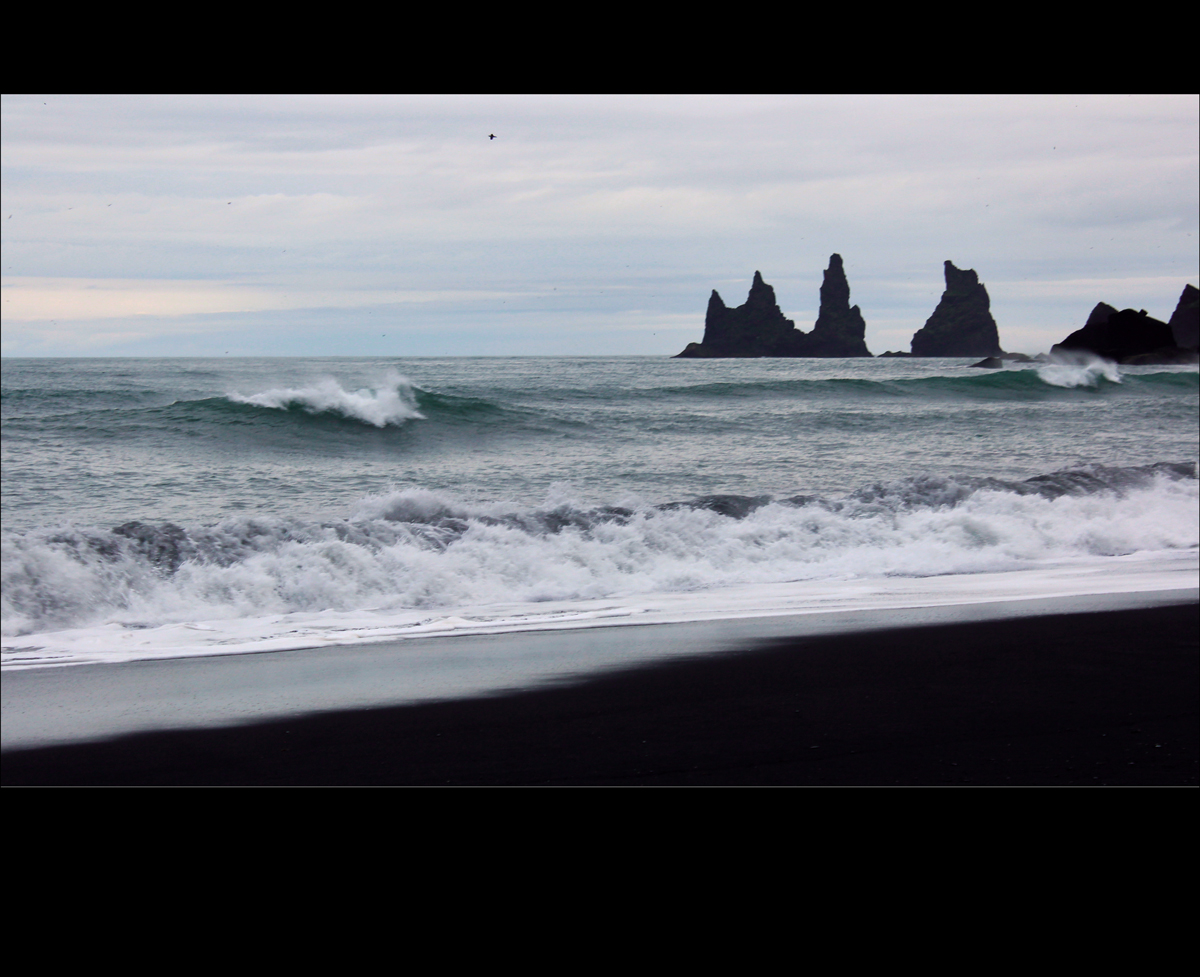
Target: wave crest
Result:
[[1081, 370], [392, 402], [421, 549]]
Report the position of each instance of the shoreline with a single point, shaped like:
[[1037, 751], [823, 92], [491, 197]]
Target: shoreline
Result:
[[1081, 696], [58, 704], [741, 610]]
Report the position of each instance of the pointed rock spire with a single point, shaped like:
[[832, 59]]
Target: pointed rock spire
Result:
[[839, 329], [835, 290], [755, 328], [716, 326], [962, 323], [1185, 320], [759, 328], [762, 296]]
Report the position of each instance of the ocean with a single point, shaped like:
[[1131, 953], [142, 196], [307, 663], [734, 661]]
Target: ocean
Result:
[[179, 507]]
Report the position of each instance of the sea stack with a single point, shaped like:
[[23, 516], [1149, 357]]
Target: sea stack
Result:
[[1135, 337], [759, 328], [755, 328], [1185, 320], [839, 329], [962, 323]]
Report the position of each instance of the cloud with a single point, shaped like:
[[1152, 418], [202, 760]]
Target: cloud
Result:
[[64, 299], [247, 205]]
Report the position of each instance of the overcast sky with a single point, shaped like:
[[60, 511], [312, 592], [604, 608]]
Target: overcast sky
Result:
[[196, 226]]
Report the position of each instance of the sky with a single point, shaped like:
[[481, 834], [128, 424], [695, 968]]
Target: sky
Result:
[[590, 225]]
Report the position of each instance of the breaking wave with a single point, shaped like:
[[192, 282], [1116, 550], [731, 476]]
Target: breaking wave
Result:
[[1084, 371], [425, 549], [393, 402], [1047, 380]]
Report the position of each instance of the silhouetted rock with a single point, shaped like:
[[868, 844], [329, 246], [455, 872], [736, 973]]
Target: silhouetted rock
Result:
[[962, 323], [1185, 320], [1120, 336], [995, 362], [759, 328], [755, 328], [1099, 315], [839, 329], [1136, 339]]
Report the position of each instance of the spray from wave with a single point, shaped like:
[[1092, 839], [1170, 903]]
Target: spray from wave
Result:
[[1079, 371], [392, 402]]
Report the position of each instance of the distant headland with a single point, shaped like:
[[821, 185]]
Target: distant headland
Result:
[[961, 325]]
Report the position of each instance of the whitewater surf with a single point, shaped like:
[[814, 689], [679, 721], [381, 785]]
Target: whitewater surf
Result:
[[193, 506]]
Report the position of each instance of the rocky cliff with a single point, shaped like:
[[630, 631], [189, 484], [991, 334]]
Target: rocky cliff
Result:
[[759, 328], [962, 323]]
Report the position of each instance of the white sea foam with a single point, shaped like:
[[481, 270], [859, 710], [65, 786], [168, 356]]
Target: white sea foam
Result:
[[1081, 370], [418, 557], [391, 402], [1121, 579]]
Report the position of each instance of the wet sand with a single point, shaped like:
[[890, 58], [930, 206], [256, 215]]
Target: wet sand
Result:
[[1098, 698]]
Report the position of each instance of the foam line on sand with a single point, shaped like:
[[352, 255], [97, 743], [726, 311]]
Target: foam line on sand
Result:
[[1088, 697]]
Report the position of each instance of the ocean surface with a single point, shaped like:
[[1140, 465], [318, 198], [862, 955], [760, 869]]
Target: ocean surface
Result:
[[159, 507]]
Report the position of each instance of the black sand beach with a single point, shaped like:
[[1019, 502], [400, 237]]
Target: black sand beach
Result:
[[1110, 698]]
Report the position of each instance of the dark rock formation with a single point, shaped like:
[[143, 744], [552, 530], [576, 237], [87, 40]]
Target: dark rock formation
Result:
[[839, 329], [962, 323], [1120, 336], [759, 328], [756, 328], [1185, 320], [995, 362], [1099, 315], [1136, 339]]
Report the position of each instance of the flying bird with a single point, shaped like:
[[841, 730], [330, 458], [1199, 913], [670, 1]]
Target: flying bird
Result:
[[492, 136]]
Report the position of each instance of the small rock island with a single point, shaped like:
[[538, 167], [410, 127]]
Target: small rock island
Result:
[[1136, 338], [759, 328]]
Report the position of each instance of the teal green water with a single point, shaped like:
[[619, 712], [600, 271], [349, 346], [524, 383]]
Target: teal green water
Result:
[[143, 492], [104, 441]]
